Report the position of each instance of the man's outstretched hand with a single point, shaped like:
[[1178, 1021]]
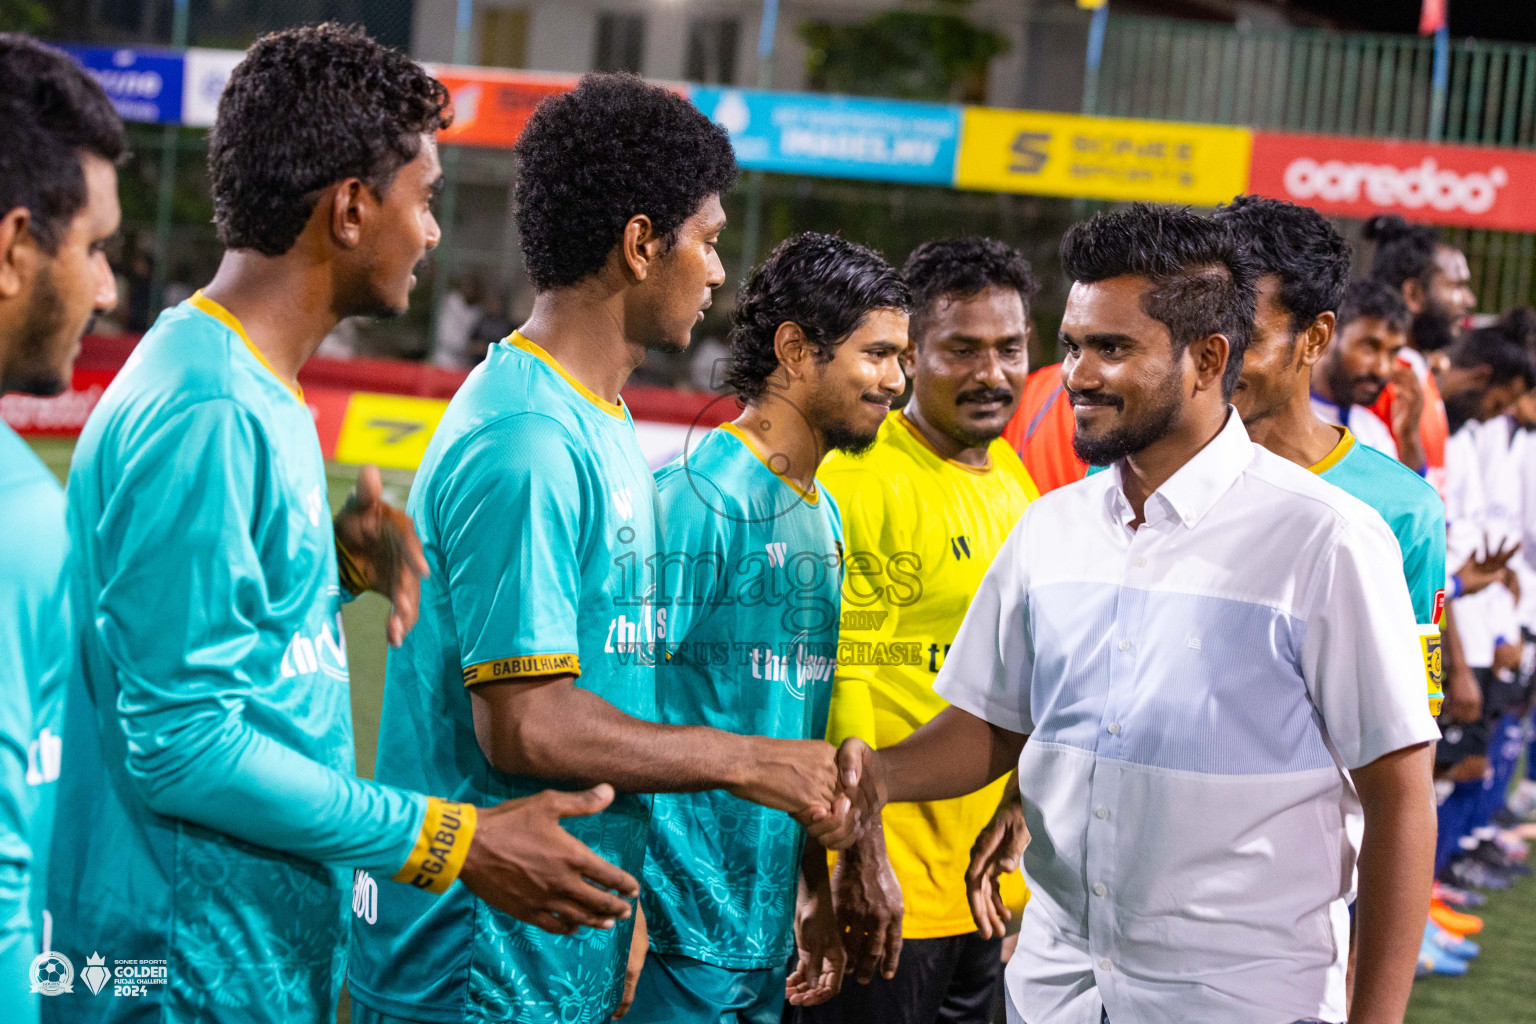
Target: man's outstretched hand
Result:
[[997, 852], [867, 896], [523, 863], [377, 547]]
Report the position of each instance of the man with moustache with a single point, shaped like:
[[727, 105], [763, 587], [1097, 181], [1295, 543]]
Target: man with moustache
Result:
[[1196, 647], [925, 510], [58, 208], [1436, 285]]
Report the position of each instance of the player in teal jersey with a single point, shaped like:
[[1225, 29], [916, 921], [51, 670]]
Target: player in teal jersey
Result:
[[209, 816], [752, 573], [58, 207], [1303, 293], [534, 661]]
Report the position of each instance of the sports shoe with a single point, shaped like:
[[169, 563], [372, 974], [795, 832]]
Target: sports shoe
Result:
[[1454, 921], [1522, 800], [1470, 873], [1434, 960], [1512, 846], [1452, 896], [1489, 853], [1462, 949]]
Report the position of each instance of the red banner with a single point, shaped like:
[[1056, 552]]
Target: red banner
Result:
[[491, 107], [1470, 186]]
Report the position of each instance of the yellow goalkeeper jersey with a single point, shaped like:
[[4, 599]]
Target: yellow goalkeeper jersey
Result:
[[919, 532]]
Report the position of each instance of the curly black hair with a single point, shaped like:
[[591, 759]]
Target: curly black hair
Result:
[[1404, 251], [610, 150], [1297, 244], [1504, 346], [1376, 299], [961, 267], [306, 108], [823, 284], [1203, 281], [51, 110]]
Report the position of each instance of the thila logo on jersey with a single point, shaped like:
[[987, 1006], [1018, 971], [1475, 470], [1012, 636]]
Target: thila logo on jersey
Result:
[[624, 503], [777, 552], [960, 546]]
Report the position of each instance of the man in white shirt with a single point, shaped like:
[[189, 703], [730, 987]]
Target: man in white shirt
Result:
[[1214, 659]]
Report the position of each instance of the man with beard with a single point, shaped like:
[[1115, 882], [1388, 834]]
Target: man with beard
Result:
[[1369, 336], [925, 509], [535, 659], [1197, 646], [58, 208], [1436, 284], [752, 571], [210, 815]]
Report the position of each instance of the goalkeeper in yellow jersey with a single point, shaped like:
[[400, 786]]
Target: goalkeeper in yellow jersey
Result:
[[925, 510]]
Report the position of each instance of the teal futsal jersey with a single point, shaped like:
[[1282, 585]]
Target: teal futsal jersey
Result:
[[537, 513], [1412, 508], [209, 815], [34, 663], [753, 573]]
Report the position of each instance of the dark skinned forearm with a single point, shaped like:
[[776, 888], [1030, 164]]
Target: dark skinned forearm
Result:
[[956, 753], [1397, 856], [556, 730]]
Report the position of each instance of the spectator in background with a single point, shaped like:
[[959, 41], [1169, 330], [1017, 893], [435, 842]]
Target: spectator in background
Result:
[[179, 288], [141, 283], [706, 368], [456, 320], [493, 325]]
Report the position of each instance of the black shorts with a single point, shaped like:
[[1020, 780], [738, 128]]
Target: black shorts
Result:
[[953, 980]]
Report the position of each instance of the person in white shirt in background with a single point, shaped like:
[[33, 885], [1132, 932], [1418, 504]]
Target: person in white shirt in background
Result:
[[1487, 372], [456, 319]]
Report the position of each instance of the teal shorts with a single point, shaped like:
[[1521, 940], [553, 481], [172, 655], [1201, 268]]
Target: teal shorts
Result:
[[681, 990]]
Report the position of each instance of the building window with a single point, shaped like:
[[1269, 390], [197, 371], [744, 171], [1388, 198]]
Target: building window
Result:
[[503, 36], [620, 42], [712, 50]]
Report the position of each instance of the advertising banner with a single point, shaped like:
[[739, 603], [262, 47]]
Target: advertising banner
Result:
[[1471, 186], [1101, 157], [203, 83], [836, 136], [490, 107], [144, 85]]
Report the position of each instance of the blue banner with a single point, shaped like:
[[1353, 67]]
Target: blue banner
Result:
[[836, 136], [144, 85]]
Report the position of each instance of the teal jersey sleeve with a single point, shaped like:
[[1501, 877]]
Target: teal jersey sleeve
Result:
[[1422, 539], [34, 658], [511, 531], [182, 605]]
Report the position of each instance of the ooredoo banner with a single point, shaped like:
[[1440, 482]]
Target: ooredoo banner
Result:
[[1470, 186]]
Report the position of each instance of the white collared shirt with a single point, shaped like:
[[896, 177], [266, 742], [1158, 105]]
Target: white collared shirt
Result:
[[1193, 692]]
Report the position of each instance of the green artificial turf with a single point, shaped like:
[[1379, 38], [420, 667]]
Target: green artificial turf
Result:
[[1501, 988]]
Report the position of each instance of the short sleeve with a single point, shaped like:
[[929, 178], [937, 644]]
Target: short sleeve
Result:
[[990, 667], [1361, 656], [510, 528]]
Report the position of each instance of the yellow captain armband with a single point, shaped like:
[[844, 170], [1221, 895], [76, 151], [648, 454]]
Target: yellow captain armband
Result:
[[441, 846], [346, 568], [1434, 666]]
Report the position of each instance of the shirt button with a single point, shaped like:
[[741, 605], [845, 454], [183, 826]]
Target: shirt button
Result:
[[1141, 563], [1106, 965], [1125, 645], [1100, 889], [1114, 728], [1101, 814]]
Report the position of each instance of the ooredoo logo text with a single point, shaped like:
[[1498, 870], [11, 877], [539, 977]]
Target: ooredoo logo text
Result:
[[1425, 184]]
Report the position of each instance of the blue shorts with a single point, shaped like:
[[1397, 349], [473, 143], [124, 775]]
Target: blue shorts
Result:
[[680, 990]]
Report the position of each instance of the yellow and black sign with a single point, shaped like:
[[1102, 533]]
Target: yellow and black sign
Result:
[[1101, 157], [391, 431]]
